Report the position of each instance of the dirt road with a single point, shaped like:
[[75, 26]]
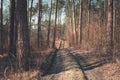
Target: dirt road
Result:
[[67, 67], [64, 67]]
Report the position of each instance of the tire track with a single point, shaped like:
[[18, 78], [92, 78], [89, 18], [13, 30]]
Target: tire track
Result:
[[64, 65]]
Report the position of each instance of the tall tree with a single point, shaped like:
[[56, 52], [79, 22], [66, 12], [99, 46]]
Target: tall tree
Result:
[[23, 43], [11, 37], [74, 22], [80, 18], [31, 14], [71, 12], [1, 28], [88, 23], [110, 27], [54, 37], [49, 26], [39, 23]]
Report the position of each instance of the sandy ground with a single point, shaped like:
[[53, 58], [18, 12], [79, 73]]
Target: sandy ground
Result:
[[64, 68]]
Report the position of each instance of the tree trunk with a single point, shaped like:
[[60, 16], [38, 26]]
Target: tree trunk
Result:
[[73, 22], [110, 27], [75, 27], [1, 28], [49, 27], [88, 23], [105, 13], [39, 24], [11, 37], [114, 26], [80, 22], [54, 35], [31, 17], [23, 41]]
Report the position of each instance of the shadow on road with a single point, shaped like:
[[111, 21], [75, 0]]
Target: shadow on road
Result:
[[89, 61], [68, 60], [63, 62]]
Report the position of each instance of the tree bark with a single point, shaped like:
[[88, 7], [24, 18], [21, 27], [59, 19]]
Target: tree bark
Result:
[[11, 37], [110, 27], [73, 22], [49, 27], [31, 17], [23, 41], [39, 24], [54, 35], [88, 23], [80, 18], [75, 27], [1, 28]]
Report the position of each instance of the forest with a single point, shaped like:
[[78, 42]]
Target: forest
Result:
[[59, 40]]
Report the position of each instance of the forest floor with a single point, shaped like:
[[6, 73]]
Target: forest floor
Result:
[[97, 65], [71, 64], [66, 64]]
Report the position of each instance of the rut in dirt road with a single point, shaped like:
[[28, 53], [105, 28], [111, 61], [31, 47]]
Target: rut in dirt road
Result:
[[89, 65], [64, 67]]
